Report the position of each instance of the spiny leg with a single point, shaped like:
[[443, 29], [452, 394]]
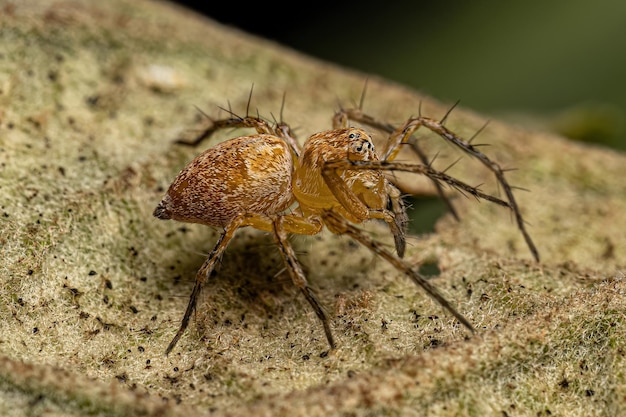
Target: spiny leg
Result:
[[356, 210], [203, 274], [403, 134], [401, 219], [341, 119], [260, 125], [426, 170], [298, 277], [338, 225], [281, 129]]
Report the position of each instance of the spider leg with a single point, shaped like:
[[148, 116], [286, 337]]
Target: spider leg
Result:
[[403, 134], [282, 129], [203, 274], [417, 169], [289, 223], [339, 225], [392, 146], [400, 220], [298, 277], [260, 125], [342, 117], [424, 160], [355, 210]]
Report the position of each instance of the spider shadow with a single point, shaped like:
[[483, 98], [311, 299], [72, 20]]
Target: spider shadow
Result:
[[424, 212], [249, 284]]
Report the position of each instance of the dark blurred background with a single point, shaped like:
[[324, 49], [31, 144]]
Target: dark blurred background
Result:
[[557, 65]]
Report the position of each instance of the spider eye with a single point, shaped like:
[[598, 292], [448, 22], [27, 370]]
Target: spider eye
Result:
[[354, 134], [361, 146]]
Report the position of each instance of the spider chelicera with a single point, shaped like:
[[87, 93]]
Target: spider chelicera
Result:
[[336, 179]]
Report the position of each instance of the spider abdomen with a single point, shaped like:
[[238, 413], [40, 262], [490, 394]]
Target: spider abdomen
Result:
[[248, 174]]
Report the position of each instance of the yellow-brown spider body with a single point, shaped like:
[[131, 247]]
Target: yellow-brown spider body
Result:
[[249, 174], [267, 181], [312, 190]]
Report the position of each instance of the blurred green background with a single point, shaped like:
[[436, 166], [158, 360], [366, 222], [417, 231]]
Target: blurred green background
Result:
[[557, 65]]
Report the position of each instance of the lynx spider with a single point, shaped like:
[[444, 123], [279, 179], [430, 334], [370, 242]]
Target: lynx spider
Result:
[[335, 179]]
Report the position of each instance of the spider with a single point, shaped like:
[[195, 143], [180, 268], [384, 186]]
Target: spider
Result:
[[336, 179]]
